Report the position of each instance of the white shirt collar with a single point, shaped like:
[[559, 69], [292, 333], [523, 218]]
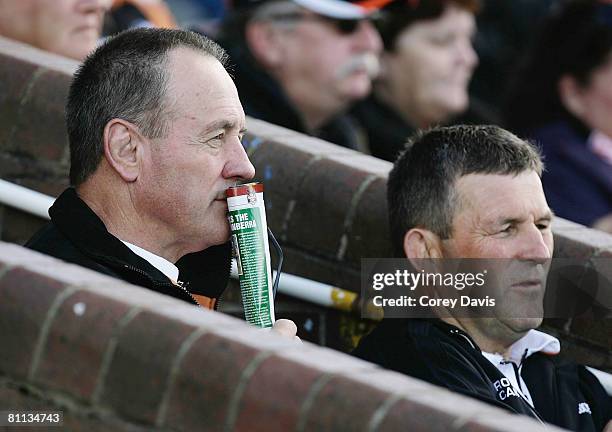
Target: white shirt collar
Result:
[[161, 264], [534, 341]]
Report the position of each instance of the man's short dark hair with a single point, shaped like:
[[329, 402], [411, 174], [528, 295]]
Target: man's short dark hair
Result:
[[421, 186], [124, 78]]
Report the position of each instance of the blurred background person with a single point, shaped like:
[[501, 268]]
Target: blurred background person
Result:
[[426, 67], [67, 27], [562, 100], [505, 31], [128, 14], [301, 64]]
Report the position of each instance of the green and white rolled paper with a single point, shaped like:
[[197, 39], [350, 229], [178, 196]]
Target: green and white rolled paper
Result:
[[247, 219]]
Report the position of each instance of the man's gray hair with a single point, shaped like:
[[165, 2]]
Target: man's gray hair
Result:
[[124, 78]]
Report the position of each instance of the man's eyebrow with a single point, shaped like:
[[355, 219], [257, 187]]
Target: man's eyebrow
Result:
[[548, 216], [220, 124]]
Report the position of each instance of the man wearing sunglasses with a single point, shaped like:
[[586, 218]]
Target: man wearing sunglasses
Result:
[[302, 63]]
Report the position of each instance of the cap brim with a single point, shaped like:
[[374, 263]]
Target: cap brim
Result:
[[335, 9]]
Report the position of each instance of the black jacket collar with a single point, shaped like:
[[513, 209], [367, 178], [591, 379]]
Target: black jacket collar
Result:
[[205, 272]]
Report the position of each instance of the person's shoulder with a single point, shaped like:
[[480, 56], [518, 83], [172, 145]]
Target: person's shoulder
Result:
[[410, 346], [427, 350], [46, 239], [49, 240]]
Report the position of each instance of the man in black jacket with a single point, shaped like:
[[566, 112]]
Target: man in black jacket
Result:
[[302, 63], [155, 127], [475, 192]]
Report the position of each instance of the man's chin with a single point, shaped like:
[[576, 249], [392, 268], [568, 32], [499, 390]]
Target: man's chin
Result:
[[359, 87], [522, 325]]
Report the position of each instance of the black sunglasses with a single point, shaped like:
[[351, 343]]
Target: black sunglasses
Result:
[[344, 26]]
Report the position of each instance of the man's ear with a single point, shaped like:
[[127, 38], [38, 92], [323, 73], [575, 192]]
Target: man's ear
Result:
[[570, 93], [263, 40], [123, 148], [420, 243]]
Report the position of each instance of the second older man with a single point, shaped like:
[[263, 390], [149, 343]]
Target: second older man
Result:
[[475, 192], [301, 64]]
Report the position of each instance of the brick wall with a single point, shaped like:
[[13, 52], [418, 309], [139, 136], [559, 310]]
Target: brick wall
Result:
[[326, 204], [112, 356]]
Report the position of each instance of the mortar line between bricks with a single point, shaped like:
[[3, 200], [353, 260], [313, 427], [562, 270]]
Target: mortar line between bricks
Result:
[[350, 215], [309, 400], [25, 96], [44, 331], [174, 370], [245, 376], [76, 408], [292, 203], [381, 412], [110, 352]]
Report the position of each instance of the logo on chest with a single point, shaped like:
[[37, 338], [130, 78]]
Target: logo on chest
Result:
[[584, 408], [504, 389]]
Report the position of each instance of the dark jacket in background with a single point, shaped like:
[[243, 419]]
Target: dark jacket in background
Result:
[[577, 182], [77, 235], [446, 356], [386, 132]]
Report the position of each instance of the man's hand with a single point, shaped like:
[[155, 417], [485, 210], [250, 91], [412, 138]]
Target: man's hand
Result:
[[286, 328]]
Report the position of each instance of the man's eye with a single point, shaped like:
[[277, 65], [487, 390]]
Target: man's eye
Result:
[[509, 229], [220, 136], [543, 226]]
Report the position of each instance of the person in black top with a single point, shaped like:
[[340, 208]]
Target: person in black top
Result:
[[475, 192], [427, 63], [155, 126], [301, 64]]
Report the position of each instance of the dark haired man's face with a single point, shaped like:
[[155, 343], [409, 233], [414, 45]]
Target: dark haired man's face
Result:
[[506, 217]]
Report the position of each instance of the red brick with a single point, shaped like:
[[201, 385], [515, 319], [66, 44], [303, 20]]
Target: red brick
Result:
[[137, 377], [581, 244], [369, 235], [276, 391], [18, 226], [325, 195], [505, 422], [564, 296], [208, 377], [79, 338], [411, 415], [41, 118], [281, 170], [595, 330], [25, 299], [333, 409], [302, 263], [14, 398], [19, 74]]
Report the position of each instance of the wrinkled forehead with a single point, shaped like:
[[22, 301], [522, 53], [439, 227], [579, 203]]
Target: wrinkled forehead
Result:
[[197, 84], [492, 193]]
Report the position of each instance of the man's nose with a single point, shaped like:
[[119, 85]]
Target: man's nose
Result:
[[238, 165], [467, 54], [367, 38], [534, 246]]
